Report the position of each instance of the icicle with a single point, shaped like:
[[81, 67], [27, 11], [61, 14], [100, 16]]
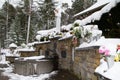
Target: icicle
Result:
[[35, 67], [73, 53]]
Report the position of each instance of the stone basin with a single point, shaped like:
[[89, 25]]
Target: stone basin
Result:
[[33, 67]]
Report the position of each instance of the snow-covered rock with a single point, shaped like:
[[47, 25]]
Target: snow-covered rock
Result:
[[12, 45]]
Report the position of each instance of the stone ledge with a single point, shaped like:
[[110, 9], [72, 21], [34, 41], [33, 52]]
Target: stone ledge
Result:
[[87, 48]]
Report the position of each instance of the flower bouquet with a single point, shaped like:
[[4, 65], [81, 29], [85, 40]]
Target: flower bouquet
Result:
[[105, 52]]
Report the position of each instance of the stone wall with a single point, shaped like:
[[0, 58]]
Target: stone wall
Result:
[[28, 53], [11, 59], [65, 53], [40, 48], [86, 61], [81, 62]]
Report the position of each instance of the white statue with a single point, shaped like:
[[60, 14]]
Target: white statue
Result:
[[57, 12]]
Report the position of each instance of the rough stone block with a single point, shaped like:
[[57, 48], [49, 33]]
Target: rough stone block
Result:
[[3, 65], [94, 77]]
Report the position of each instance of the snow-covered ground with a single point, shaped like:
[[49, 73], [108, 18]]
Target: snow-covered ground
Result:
[[112, 73]]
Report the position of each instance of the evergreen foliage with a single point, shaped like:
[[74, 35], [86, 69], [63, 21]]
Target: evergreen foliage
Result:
[[42, 17], [46, 13], [77, 6]]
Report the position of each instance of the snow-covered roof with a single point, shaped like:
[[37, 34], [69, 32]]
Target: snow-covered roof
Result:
[[67, 27], [6, 51], [12, 45], [98, 4], [97, 15], [46, 32]]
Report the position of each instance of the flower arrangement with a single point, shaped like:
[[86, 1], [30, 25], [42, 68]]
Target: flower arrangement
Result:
[[104, 51], [76, 24], [55, 34], [117, 56], [81, 32], [64, 30], [107, 56], [87, 33], [77, 32]]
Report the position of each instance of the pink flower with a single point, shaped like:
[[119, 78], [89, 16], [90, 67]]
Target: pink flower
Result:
[[107, 52], [102, 50]]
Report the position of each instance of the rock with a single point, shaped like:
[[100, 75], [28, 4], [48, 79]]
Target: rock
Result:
[[3, 65]]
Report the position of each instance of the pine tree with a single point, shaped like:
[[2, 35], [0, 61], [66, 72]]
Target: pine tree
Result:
[[25, 12], [77, 6], [80, 5], [9, 12], [16, 32], [88, 3], [2, 28], [46, 13]]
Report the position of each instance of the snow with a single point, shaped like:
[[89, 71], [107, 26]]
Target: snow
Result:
[[66, 27], [13, 76], [107, 69], [3, 60], [97, 15], [66, 35], [5, 51], [94, 6], [93, 29], [112, 73], [26, 49], [109, 43], [46, 32], [34, 58], [41, 42], [8, 72], [12, 45]]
